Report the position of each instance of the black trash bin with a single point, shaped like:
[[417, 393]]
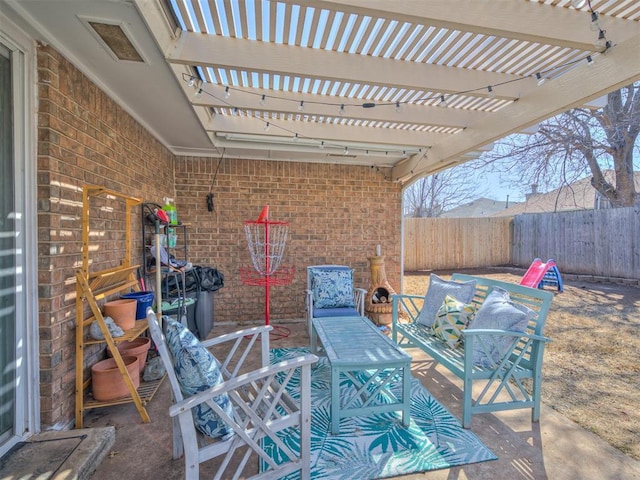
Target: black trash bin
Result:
[[203, 313], [200, 285]]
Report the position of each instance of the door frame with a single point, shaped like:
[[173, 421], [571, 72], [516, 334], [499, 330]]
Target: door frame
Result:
[[24, 97]]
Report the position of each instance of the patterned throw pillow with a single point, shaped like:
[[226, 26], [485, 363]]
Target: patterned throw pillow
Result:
[[175, 333], [500, 312], [332, 288], [197, 370], [452, 317], [438, 289]]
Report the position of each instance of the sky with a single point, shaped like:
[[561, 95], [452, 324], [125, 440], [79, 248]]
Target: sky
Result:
[[498, 188]]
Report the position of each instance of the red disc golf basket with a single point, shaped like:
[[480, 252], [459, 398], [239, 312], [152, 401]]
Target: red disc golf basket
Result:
[[267, 240]]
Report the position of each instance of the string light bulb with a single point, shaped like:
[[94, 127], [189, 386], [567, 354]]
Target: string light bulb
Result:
[[595, 23], [492, 94], [398, 107], [601, 42], [346, 151], [540, 79], [301, 106], [263, 100], [443, 102], [192, 81], [590, 61], [267, 126], [198, 94], [342, 111], [321, 144], [227, 93]]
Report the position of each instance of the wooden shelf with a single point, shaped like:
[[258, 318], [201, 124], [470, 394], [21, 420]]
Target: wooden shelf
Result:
[[108, 282], [146, 392], [138, 329], [94, 286]]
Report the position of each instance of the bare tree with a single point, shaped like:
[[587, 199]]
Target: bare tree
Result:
[[578, 143], [431, 196]]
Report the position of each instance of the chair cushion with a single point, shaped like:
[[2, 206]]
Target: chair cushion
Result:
[[335, 312], [197, 370], [453, 316], [332, 288], [500, 312], [438, 289]]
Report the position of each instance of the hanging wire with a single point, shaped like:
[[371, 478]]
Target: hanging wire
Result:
[[213, 181]]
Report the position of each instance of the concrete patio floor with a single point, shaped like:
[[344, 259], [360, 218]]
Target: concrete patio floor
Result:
[[554, 448]]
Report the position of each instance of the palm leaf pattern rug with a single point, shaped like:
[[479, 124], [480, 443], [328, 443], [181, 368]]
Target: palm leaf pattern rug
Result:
[[378, 446]]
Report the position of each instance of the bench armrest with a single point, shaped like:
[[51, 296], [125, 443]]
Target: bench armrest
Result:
[[406, 304], [504, 333], [407, 296], [525, 350]]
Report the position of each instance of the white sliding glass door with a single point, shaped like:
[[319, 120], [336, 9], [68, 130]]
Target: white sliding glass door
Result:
[[19, 393]]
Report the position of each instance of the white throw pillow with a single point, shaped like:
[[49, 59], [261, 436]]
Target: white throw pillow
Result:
[[438, 289], [500, 312]]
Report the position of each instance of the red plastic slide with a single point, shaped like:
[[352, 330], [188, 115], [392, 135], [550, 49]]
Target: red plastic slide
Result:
[[536, 272]]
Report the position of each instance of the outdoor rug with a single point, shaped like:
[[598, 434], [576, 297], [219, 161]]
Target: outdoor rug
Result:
[[378, 446]]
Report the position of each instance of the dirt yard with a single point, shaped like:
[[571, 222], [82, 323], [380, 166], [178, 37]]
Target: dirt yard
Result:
[[591, 371]]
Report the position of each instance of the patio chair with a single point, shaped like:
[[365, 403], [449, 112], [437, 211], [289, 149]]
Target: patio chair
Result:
[[330, 293], [237, 406]]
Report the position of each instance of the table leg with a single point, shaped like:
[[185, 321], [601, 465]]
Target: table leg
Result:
[[406, 395], [335, 401]]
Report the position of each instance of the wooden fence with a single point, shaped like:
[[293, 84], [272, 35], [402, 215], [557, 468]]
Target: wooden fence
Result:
[[443, 243], [588, 242]]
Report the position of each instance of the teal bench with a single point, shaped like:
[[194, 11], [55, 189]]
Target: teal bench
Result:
[[514, 382]]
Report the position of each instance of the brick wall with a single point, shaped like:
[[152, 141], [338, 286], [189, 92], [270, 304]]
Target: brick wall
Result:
[[84, 137], [337, 214]]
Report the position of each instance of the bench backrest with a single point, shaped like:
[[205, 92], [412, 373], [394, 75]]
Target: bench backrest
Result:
[[536, 299]]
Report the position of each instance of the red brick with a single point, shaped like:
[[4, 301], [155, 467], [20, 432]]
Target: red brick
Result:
[[86, 138]]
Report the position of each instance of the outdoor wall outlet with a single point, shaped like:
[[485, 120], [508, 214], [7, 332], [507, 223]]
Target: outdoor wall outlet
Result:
[[210, 202]]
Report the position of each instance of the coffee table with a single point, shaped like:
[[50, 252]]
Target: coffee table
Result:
[[358, 351]]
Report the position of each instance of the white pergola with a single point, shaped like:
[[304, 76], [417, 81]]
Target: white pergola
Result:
[[358, 82]]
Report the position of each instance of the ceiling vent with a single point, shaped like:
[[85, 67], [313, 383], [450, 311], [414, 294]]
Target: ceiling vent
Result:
[[115, 39]]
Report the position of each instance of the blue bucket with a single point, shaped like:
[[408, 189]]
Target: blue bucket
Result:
[[145, 300]]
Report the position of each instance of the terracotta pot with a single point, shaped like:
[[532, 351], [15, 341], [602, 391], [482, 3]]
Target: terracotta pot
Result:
[[138, 347], [122, 311], [107, 382]]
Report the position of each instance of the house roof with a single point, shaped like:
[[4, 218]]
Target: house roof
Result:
[[579, 195], [290, 66], [480, 207]]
